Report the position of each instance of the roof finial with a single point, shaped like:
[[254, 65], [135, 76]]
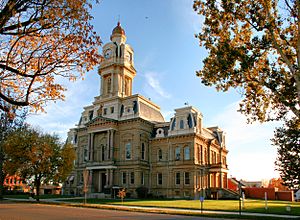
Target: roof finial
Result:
[[118, 20]]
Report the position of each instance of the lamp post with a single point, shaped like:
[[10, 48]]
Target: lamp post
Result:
[[240, 199]]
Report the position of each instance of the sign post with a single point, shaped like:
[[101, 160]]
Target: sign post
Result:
[[266, 201], [201, 201]]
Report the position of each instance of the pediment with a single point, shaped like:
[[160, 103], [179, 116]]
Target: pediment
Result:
[[100, 121]]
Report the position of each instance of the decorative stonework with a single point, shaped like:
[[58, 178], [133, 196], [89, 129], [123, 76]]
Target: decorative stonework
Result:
[[124, 141]]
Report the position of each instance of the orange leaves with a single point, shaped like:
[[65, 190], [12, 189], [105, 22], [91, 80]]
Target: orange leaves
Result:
[[253, 45], [60, 42]]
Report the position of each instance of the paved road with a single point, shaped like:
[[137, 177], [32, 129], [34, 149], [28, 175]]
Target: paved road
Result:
[[27, 211]]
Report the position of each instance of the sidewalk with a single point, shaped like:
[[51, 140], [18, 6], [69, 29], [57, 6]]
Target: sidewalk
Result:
[[174, 211]]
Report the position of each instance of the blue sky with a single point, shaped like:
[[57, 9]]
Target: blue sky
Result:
[[166, 56]]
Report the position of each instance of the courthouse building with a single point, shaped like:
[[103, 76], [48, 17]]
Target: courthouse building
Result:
[[123, 140]]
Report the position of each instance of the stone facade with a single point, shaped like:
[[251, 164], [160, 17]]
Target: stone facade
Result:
[[124, 142]]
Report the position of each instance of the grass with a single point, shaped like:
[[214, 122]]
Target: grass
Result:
[[17, 196], [258, 206]]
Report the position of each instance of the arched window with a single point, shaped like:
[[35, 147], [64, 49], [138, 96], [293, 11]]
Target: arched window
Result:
[[159, 154], [108, 85], [128, 151], [102, 152], [181, 124], [187, 153], [177, 153], [143, 151]]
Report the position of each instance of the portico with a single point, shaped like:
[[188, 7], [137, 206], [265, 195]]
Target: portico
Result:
[[101, 178]]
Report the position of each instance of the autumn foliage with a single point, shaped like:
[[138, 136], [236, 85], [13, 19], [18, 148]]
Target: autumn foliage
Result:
[[40, 42], [253, 46], [37, 157]]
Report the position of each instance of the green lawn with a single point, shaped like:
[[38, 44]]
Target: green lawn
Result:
[[275, 207]]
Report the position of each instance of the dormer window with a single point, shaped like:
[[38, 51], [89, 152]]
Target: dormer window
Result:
[[181, 124], [91, 115], [173, 124]]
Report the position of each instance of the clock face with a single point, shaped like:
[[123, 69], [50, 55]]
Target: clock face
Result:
[[107, 53]]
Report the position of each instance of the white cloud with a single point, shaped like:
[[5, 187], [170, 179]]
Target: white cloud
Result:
[[167, 114], [237, 129], [60, 116], [251, 155], [153, 86]]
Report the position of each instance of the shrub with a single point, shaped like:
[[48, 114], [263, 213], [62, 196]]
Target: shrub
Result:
[[142, 192]]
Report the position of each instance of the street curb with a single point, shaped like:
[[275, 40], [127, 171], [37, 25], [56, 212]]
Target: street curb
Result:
[[171, 211]]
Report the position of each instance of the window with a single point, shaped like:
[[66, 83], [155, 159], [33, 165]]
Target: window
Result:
[[186, 178], [177, 178], [132, 177], [159, 179], [85, 154], [213, 157], [177, 153], [128, 151], [112, 110], [159, 154], [103, 152], [181, 124], [124, 178], [173, 124], [142, 178], [143, 151], [187, 153], [224, 160], [104, 111], [201, 154], [91, 115], [108, 85]]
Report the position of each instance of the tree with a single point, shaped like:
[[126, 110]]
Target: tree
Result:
[[8, 123], [287, 140], [277, 183], [40, 42], [253, 45], [38, 156]]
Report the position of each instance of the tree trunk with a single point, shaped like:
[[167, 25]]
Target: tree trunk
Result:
[[1, 173], [37, 185]]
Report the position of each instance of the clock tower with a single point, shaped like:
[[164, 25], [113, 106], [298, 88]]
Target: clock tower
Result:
[[117, 68]]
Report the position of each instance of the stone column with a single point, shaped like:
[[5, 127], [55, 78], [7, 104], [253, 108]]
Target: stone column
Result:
[[108, 145], [111, 144], [112, 83], [89, 147], [102, 85], [111, 177], [92, 147], [123, 85], [107, 178]]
